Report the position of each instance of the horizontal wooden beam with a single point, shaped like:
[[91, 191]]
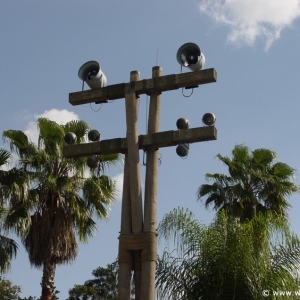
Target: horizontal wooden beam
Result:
[[155, 140], [146, 86]]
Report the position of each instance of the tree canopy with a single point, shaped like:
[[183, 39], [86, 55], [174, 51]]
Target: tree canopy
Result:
[[256, 183], [102, 287], [8, 291], [226, 259]]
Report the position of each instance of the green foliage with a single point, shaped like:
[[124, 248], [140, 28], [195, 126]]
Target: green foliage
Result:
[[227, 259], [8, 250], [102, 287], [4, 157], [256, 183], [52, 199], [8, 291], [54, 297], [248, 247], [8, 247]]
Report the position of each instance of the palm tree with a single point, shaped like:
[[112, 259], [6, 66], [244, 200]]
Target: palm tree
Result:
[[227, 259], [8, 247], [256, 183], [53, 199]]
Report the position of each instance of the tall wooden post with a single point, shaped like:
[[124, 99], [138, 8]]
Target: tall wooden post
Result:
[[132, 179], [150, 202], [125, 257], [131, 106]]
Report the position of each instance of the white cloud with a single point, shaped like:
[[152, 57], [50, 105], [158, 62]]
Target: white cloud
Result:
[[119, 179], [119, 185], [60, 116], [250, 20]]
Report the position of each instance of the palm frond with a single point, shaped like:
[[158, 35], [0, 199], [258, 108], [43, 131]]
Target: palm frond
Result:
[[226, 259], [19, 142], [4, 156], [80, 128], [99, 192], [8, 250], [50, 137], [180, 224]]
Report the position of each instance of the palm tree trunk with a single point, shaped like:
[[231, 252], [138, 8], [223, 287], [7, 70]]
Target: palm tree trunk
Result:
[[48, 280]]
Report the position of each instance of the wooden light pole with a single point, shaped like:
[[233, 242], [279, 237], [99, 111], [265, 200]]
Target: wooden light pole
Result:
[[150, 202], [138, 240]]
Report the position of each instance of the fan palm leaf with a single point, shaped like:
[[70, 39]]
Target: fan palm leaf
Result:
[[256, 183]]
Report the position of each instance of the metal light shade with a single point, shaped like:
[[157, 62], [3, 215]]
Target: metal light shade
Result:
[[94, 135], [189, 55], [183, 123], [182, 150], [93, 162], [70, 138], [91, 73], [209, 119]]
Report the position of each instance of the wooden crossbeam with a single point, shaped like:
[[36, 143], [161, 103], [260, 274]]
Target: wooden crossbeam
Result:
[[146, 86], [155, 140]]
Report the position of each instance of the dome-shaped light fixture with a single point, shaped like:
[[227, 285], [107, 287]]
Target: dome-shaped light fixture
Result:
[[182, 150], [183, 123], [70, 138], [93, 162], [94, 135], [209, 119]]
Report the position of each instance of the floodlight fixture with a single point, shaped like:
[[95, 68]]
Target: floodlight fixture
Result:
[[93, 162], [189, 55], [90, 72], [70, 138], [182, 150], [183, 123], [209, 119], [94, 135]]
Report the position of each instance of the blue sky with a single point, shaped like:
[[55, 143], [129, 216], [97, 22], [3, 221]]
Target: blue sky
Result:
[[254, 46]]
